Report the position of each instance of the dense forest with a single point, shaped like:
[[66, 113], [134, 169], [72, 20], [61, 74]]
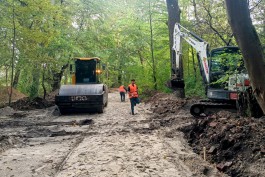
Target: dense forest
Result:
[[40, 38]]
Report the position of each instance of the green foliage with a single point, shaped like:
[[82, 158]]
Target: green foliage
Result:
[[194, 87], [226, 64], [49, 35]]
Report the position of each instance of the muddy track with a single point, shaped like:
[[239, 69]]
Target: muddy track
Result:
[[127, 145], [79, 140], [60, 165], [114, 143], [28, 123]]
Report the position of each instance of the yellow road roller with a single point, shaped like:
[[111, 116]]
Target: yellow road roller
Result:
[[86, 92]]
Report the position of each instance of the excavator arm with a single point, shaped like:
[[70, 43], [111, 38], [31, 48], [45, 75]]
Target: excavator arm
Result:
[[198, 44]]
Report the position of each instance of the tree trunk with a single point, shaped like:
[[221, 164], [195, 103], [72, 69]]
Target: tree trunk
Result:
[[140, 57], [13, 54], [188, 60], [250, 46], [152, 47], [16, 78], [194, 64], [195, 11], [57, 77], [43, 83], [173, 18], [6, 75], [34, 88], [119, 78]]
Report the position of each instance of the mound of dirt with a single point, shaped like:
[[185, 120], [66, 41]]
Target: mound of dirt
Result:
[[7, 111], [165, 108], [235, 145], [163, 104], [4, 95], [147, 95], [27, 104]]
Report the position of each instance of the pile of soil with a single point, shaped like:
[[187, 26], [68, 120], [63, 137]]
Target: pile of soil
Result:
[[147, 95], [4, 95], [235, 145], [7, 111], [165, 108], [28, 104], [164, 104], [156, 97]]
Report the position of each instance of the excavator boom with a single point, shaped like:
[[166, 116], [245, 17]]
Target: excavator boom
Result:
[[181, 33]]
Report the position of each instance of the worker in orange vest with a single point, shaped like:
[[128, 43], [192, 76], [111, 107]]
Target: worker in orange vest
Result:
[[122, 91], [133, 95]]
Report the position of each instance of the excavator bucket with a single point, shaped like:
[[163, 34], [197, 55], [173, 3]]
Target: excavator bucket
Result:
[[176, 84]]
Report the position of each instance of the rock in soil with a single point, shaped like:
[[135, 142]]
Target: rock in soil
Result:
[[7, 111]]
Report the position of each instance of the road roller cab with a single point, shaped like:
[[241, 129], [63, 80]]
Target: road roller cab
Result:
[[86, 92]]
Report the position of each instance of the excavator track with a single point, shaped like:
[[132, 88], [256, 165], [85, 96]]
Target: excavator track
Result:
[[205, 108]]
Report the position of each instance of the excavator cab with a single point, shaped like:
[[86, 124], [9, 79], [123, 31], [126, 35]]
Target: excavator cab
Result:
[[224, 61], [86, 92]]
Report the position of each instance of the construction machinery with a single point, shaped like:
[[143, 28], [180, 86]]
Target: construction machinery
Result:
[[86, 93], [225, 78]]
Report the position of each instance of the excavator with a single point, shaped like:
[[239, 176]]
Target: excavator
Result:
[[86, 93], [225, 79]]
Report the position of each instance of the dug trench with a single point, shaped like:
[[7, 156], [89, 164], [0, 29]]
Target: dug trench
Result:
[[235, 145]]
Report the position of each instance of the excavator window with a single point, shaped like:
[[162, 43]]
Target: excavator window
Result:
[[224, 62]]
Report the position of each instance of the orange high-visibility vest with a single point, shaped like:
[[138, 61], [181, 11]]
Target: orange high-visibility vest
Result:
[[133, 93], [121, 89]]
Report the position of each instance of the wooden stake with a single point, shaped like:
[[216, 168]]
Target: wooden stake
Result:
[[204, 153]]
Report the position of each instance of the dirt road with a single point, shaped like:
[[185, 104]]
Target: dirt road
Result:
[[114, 143]]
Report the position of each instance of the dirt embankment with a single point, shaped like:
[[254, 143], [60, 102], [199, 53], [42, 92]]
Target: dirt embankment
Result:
[[168, 116], [235, 145], [165, 108], [28, 104], [4, 95], [21, 102]]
